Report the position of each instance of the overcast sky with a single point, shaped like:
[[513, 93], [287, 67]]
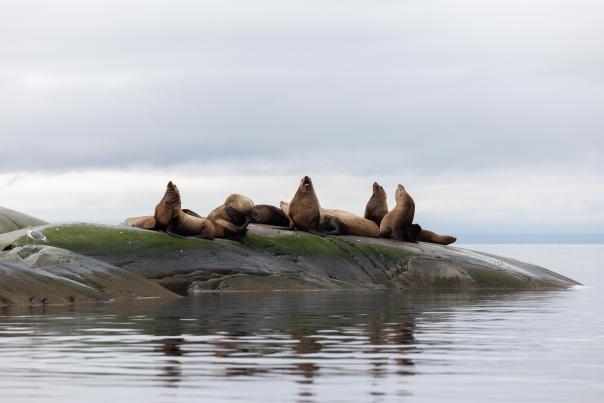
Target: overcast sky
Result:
[[490, 112]]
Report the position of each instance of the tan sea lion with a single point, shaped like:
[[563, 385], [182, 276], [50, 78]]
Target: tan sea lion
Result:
[[235, 209], [268, 215], [397, 223], [170, 217], [340, 222], [425, 235], [144, 222], [377, 206], [304, 210]]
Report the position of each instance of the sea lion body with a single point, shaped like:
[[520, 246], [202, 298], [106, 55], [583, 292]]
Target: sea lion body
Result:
[[348, 223], [167, 208], [235, 209], [170, 217], [304, 209], [268, 215], [397, 223], [144, 222], [377, 206], [340, 222]]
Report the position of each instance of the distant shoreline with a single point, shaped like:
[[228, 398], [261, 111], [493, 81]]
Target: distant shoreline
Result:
[[531, 239]]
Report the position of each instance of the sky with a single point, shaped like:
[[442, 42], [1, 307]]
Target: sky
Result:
[[489, 112]]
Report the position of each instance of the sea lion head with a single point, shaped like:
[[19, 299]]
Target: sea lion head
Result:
[[168, 207], [306, 184], [448, 239], [400, 193], [378, 190]]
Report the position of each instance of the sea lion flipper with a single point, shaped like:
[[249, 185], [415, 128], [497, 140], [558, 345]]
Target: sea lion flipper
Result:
[[230, 226], [190, 212]]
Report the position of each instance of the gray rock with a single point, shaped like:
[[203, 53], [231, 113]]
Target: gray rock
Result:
[[37, 274], [11, 220], [276, 259]]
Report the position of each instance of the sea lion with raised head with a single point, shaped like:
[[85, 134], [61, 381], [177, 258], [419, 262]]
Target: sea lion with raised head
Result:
[[235, 209], [377, 206], [304, 209], [397, 223], [425, 235], [170, 217], [340, 222], [268, 215]]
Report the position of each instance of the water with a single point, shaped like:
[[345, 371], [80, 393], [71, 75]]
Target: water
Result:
[[320, 346]]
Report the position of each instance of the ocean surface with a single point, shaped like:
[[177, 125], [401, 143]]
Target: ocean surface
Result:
[[321, 346]]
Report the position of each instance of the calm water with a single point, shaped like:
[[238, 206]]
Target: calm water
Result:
[[321, 346]]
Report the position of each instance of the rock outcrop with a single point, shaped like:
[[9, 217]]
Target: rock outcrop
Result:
[[276, 259], [36, 274], [11, 220]]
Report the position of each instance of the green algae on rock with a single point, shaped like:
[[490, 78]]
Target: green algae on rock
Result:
[[276, 259]]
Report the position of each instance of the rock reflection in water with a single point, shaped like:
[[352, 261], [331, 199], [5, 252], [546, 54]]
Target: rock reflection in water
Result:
[[197, 347]]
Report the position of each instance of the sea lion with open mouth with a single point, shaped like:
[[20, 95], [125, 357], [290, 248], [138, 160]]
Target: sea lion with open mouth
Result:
[[340, 222], [304, 209]]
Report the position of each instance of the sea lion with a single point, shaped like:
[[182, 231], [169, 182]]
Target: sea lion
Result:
[[166, 206], [235, 209], [377, 206], [170, 217], [397, 223], [340, 222], [144, 222], [425, 235], [268, 215], [304, 210], [148, 221]]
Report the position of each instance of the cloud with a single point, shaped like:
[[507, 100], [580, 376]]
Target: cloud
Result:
[[462, 202], [463, 101], [423, 84]]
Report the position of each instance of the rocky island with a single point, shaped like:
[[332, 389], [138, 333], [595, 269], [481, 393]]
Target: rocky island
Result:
[[82, 262]]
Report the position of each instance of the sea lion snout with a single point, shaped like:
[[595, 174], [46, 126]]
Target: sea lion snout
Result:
[[307, 183]]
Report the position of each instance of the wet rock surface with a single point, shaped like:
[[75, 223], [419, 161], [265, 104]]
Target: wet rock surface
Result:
[[271, 259], [45, 275]]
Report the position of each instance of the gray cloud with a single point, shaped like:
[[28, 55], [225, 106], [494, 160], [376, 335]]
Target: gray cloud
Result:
[[360, 87]]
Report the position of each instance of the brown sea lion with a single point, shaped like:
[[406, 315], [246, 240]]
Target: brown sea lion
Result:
[[144, 222], [170, 217], [268, 215], [340, 222], [304, 210], [425, 235], [235, 209], [377, 206], [397, 223]]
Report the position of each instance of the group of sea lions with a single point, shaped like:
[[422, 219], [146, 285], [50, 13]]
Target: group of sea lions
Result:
[[304, 213]]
